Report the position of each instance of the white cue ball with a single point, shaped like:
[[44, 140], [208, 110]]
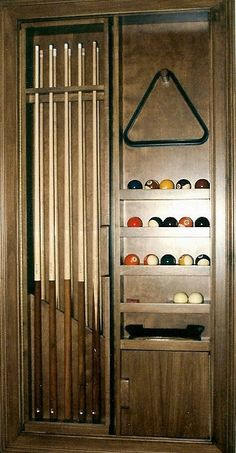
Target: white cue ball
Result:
[[196, 298], [180, 298]]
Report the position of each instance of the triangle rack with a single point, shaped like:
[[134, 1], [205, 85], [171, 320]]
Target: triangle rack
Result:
[[165, 75]]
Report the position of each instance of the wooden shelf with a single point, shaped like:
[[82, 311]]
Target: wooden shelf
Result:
[[161, 270], [165, 345], [164, 232], [168, 194], [168, 307]]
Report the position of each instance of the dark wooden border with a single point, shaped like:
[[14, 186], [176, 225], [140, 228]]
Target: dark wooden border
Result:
[[12, 437]]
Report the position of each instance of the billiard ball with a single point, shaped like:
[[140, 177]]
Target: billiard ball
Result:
[[185, 260], [167, 184], [180, 298], [202, 260], [155, 222], [135, 184], [131, 260], [170, 222], [185, 222], [183, 184], [134, 222], [151, 260], [202, 222], [196, 298], [151, 184], [168, 260], [202, 184]]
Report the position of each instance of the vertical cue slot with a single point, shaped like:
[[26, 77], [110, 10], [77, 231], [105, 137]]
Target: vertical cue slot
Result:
[[52, 246], [67, 251], [81, 248], [38, 391], [96, 291], [41, 145], [56, 183]]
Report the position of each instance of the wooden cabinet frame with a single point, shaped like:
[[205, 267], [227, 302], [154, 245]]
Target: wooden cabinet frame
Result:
[[14, 435]]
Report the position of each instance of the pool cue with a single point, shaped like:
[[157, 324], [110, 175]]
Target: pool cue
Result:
[[42, 228], [38, 389], [67, 253], [52, 282], [95, 242], [81, 251], [56, 184]]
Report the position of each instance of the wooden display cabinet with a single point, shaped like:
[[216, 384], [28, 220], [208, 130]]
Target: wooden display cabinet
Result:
[[98, 94]]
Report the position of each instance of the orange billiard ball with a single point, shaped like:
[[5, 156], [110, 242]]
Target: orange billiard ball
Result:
[[131, 260], [185, 222]]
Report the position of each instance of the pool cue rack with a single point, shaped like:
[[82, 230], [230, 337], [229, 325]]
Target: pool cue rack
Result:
[[112, 354]]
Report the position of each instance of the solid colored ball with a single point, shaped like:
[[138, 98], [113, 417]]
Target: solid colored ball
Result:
[[170, 222], [134, 222], [151, 184], [180, 298], [135, 184], [183, 184], [202, 260], [202, 184], [168, 260], [185, 260], [185, 222], [196, 298], [151, 260], [155, 222], [202, 222], [167, 184], [131, 260]]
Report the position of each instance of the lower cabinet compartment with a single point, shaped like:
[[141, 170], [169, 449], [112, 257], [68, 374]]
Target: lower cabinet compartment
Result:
[[165, 393]]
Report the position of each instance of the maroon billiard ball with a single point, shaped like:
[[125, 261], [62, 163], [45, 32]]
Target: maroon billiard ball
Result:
[[185, 222], [183, 184], [151, 184], [202, 184], [131, 260], [134, 222]]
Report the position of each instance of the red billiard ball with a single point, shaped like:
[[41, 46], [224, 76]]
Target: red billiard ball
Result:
[[135, 184], [202, 184], [131, 260], [185, 222], [151, 260], [134, 222], [183, 184], [185, 260], [151, 184]]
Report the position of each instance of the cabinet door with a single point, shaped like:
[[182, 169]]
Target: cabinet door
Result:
[[165, 394]]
